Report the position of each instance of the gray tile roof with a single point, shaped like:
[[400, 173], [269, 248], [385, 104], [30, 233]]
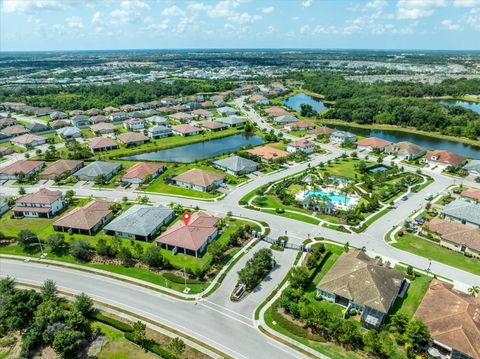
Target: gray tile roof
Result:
[[98, 168], [284, 119], [235, 163], [462, 209], [231, 120], [473, 165], [140, 220]]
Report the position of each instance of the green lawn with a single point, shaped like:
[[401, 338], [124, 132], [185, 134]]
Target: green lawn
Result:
[[159, 185], [415, 293], [414, 244], [344, 167]]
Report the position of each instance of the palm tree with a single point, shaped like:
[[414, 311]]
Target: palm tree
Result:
[[474, 291]]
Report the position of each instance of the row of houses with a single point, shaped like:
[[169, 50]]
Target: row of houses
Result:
[[139, 222]]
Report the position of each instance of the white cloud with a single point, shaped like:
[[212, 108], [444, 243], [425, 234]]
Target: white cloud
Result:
[[304, 29], [75, 22], [376, 4], [451, 25], [130, 11], [466, 3], [244, 18], [28, 6], [415, 9], [295, 18], [224, 8], [268, 10], [162, 25], [173, 11], [473, 19], [307, 3], [96, 18]]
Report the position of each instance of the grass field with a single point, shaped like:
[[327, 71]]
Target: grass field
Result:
[[414, 244], [344, 167]]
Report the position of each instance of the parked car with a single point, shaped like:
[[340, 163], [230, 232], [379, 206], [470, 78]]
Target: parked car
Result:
[[404, 198]]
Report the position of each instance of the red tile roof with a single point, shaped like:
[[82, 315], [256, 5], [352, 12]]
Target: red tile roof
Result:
[[373, 142], [28, 138], [446, 157], [132, 137], [142, 169], [199, 177], [44, 196], [190, 236], [277, 111], [101, 142], [268, 153], [15, 130], [21, 166], [186, 129], [473, 193]]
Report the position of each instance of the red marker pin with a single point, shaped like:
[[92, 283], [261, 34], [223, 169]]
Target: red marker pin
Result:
[[186, 217]]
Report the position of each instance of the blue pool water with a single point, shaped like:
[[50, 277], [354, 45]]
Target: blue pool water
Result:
[[339, 198]]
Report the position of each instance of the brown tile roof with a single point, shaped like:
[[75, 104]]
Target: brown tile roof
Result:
[[21, 166], [28, 138], [456, 232], [180, 116], [101, 142], [142, 169], [363, 280], [85, 217], [199, 177], [5, 150], [44, 196], [99, 119], [134, 120], [302, 143], [191, 236], [186, 129], [212, 125], [473, 193], [102, 126], [202, 112], [373, 142], [257, 97], [300, 124], [7, 120], [59, 123], [322, 131], [15, 130], [446, 157], [268, 153], [452, 318], [60, 167], [277, 111], [132, 137]]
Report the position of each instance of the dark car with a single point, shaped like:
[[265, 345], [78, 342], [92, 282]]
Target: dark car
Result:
[[404, 198]]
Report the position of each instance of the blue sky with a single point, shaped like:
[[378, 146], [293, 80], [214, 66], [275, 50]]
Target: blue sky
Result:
[[166, 24]]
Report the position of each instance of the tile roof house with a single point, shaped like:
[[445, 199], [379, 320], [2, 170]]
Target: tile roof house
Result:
[[158, 120], [339, 137], [182, 117], [464, 211], [58, 124], [99, 119], [102, 144], [406, 150], [110, 109], [444, 159], [299, 126], [213, 125], [452, 318], [4, 151], [259, 99], [85, 220], [322, 131], [103, 128], [302, 145], [186, 130], [473, 167], [80, 121], [93, 112], [159, 131], [69, 132], [14, 130], [232, 121], [138, 172], [202, 113], [471, 193], [21, 166], [236, 165], [268, 153], [133, 138], [61, 168], [276, 112], [192, 238], [134, 124], [227, 111], [58, 115], [98, 168], [372, 143], [7, 122], [456, 236], [199, 180], [29, 139], [359, 282], [285, 119], [118, 116], [42, 204], [36, 127], [140, 222]]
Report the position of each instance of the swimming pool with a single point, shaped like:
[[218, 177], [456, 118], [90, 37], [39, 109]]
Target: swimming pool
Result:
[[339, 198]]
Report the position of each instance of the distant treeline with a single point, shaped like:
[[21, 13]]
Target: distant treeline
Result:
[[398, 103], [85, 97]]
